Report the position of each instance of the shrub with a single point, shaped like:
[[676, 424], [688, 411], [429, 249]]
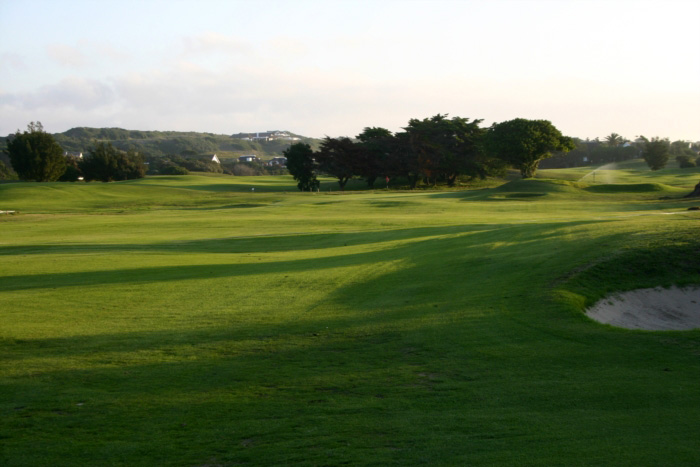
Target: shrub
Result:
[[242, 170], [172, 169], [106, 163], [73, 172], [6, 173], [685, 162]]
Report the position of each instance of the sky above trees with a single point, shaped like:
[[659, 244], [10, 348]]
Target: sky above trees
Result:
[[334, 67]]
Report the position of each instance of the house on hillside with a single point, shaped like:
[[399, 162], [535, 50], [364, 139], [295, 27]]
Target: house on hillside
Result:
[[204, 158], [249, 158], [266, 136], [279, 161]]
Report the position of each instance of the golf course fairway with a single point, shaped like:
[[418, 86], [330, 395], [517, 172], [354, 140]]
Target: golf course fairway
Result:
[[192, 321]]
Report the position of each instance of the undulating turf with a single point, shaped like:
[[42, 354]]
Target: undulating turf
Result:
[[192, 321]]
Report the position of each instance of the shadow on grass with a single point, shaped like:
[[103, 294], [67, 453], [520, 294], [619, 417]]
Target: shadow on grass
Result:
[[220, 207], [269, 243], [240, 187], [478, 235], [406, 358]]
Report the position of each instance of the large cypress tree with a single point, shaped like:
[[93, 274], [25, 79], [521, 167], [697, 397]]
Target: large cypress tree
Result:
[[301, 164], [656, 153], [524, 143], [35, 155]]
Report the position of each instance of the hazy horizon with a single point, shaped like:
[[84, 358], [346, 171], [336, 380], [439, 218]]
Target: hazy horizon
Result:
[[333, 68]]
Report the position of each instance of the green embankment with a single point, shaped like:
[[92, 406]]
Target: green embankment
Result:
[[193, 321]]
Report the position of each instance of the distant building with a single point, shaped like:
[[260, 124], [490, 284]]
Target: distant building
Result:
[[249, 158], [205, 158], [266, 136], [280, 161]]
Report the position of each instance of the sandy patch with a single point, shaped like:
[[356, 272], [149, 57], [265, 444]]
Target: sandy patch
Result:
[[655, 309]]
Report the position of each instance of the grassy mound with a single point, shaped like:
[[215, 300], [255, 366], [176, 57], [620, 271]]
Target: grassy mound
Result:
[[524, 189], [671, 259], [629, 188], [520, 195], [539, 185]]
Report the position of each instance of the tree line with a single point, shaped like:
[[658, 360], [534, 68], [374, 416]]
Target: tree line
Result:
[[656, 152], [117, 154], [191, 162], [433, 150], [436, 150], [36, 156]]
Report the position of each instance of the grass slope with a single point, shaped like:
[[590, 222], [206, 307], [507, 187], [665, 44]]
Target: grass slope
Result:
[[627, 172], [191, 321]]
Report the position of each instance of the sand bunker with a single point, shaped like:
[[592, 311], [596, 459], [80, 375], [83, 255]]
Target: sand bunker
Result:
[[655, 309]]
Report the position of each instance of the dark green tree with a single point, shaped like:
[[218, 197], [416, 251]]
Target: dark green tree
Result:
[[590, 153], [685, 161], [403, 161], [682, 148], [373, 153], [447, 148], [301, 165], [338, 157], [614, 140], [656, 153], [524, 143], [35, 155], [72, 173], [106, 163]]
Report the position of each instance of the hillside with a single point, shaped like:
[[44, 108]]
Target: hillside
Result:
[[168, 143]]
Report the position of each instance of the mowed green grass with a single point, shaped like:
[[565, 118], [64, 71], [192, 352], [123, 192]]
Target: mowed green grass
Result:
[[191, 321]]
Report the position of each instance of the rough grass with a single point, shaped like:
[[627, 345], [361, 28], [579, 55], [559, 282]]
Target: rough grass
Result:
[[190, 321]]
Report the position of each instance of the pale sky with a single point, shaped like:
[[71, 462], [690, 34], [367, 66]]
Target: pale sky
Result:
[[334, 67]]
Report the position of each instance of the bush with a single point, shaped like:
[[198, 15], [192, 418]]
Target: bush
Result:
[[166, 167], [242, 170], [106, 163], [685, 162], [247, 169], [196, 164], [6, 173], [73, 172], [176, 170]]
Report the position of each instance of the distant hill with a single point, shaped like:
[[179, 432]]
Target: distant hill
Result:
[[170, 143]]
